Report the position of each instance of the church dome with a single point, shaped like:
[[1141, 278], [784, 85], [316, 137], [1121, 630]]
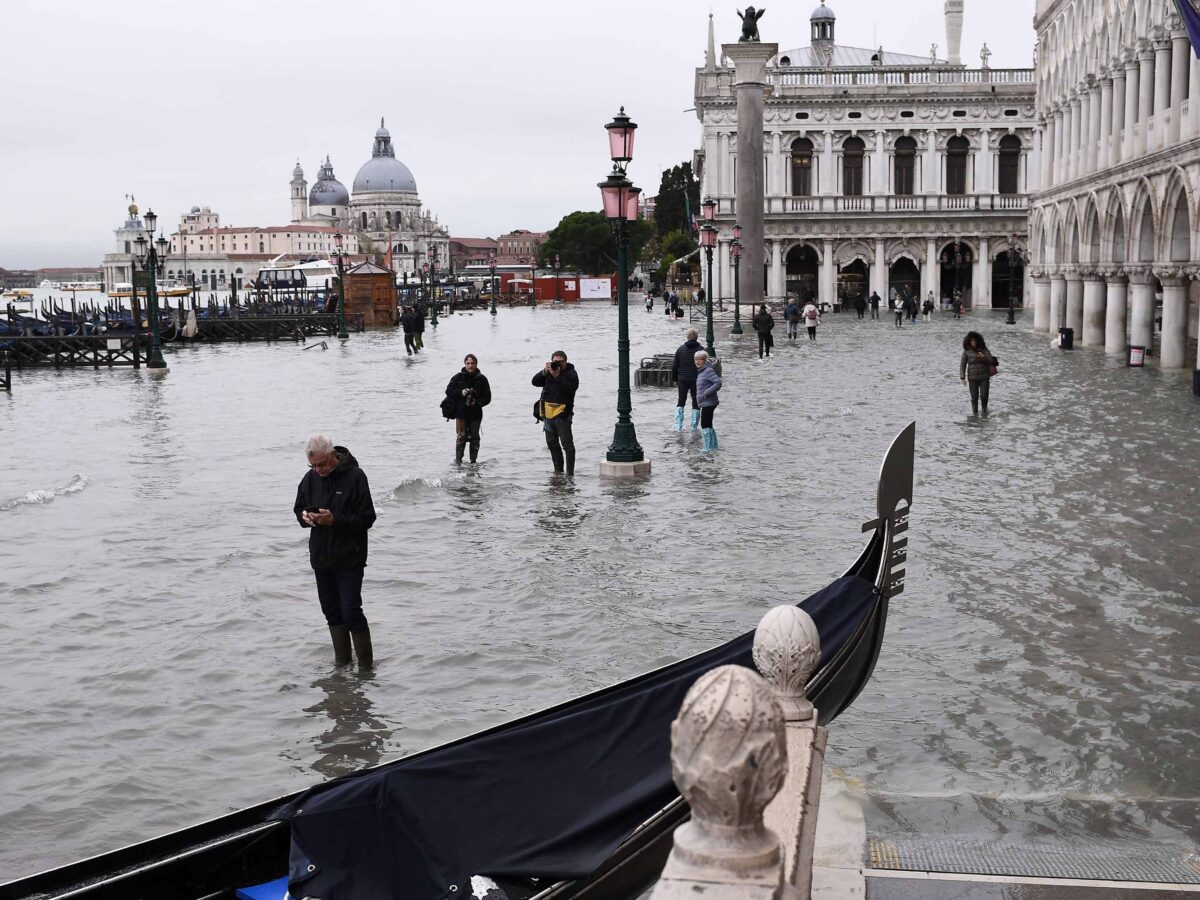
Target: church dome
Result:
[[328, 191], [822, 14], [383, 172]]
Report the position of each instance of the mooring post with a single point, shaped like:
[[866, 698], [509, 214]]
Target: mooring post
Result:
[[137, 332]]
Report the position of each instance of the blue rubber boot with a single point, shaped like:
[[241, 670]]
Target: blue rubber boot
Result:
[[709, 443], [715, 444], [695, 419], [679, 418]]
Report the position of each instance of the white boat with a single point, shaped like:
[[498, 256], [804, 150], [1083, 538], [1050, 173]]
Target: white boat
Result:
[[79, 286], [313, 275], [46, 283]]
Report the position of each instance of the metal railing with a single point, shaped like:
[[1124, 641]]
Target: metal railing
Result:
[[880, 203], [789, 76]]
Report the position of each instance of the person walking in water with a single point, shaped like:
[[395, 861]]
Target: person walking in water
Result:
[[812, 318], [898, 309], [763, 322], [791, 315], [333, 500], [927, 309], [559, 381], [470, 392], [708, 384], [683, 372], [874, 301], [408, 322], [860, 305], [975, 370]]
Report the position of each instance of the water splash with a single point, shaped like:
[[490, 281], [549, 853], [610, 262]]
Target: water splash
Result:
[[33, 498]]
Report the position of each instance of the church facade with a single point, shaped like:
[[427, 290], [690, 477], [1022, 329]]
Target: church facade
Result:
[[882, 170]]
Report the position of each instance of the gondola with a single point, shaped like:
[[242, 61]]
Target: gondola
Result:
[[572, 803]]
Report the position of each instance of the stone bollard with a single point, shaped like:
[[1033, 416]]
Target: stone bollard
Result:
[[729, 758], [787, 650]]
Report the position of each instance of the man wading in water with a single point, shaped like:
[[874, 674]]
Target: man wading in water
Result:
[[334, 500]]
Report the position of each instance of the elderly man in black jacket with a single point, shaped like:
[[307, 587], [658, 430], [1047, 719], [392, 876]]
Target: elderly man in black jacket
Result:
[[559, 381], [334, 500], [683, 373]]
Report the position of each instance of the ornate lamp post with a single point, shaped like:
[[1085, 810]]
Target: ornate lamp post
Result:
[[492, 269], [533, 281], [736, 249], [557, 283], [341, 268], [433, 256], [424, 275], [151, 255], [708, 240], [1014, 258], [621, 204]]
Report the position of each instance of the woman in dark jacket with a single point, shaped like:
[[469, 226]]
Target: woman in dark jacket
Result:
[[763, 322], [975, 369], [471, 393]]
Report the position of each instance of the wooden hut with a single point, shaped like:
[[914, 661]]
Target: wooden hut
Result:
[[371, 290]]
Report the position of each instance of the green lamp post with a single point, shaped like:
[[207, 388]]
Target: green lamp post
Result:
[[492, 269], [341, 268], [151, 255], [736, 249]]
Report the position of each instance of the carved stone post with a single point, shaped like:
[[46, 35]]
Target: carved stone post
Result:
[[787, 650], [729, 758]]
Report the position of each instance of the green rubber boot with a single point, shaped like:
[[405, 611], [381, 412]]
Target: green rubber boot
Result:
[[341, 644]]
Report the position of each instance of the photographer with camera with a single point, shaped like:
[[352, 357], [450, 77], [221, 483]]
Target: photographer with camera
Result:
[[559, 381], [470, 392]]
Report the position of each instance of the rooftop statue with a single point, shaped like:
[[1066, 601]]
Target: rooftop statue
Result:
[[750, 23]]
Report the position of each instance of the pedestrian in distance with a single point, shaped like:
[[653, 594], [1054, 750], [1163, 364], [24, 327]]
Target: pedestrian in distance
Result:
[[898, 309], [408, 322], [466, 395], [958, 306], [975, 369], [927, 309], [791, 316], [649, 303], [708, 384], [874, 300], [419, 330], [683, 373], [559, 381], [812, 318], [334, 502], [763, 323], [860, 305]]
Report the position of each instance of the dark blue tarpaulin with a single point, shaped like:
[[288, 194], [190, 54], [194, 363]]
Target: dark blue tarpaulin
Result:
[[552, 795]]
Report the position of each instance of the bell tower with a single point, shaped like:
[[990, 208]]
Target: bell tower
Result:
[[299, 194]]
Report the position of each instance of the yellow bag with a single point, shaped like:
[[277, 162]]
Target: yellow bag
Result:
[[552, 410]]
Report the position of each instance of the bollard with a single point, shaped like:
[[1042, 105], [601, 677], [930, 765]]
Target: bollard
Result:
[[1137, 357]]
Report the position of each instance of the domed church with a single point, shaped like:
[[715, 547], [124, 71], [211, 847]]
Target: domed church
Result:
[[384, 208]]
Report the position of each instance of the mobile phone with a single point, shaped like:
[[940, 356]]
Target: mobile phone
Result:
[[312, 509]]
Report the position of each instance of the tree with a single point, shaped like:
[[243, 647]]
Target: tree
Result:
[[678, 199], [584, 242], [672, 246]]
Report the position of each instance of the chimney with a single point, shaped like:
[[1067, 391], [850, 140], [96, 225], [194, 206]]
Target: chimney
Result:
[[954, 20]]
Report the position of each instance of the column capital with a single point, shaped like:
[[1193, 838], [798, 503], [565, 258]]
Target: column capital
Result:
[[1130, 60], [1173, 276], [1115, 275], [1145, 51], [1055, 273], [1106, 78], [1072, 273], [1139, 274], [1179, 36], [1116, 66], [1091, 273]]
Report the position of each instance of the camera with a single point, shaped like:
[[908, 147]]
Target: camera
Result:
[[555, 364], [469, 396]]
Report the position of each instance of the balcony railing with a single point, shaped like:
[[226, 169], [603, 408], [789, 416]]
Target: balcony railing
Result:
[[891, 203], [876, 76]]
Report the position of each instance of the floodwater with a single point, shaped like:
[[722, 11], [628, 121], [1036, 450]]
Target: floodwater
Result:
[[165, 660]]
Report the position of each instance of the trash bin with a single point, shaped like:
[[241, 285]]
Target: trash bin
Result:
[[1066, 338], [1137, 357]]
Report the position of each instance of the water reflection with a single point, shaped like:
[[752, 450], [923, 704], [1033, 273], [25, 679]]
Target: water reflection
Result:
[[355, 738]]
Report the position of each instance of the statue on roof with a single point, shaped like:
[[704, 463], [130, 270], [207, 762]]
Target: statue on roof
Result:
[[750, 23]]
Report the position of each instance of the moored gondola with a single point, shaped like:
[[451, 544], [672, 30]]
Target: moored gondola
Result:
[[571, 802]]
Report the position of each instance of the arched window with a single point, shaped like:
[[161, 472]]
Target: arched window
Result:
[[364, 221], [1010, 164], [906, 165], [852, 167], [956, 164], [387, 219], [802, 157]]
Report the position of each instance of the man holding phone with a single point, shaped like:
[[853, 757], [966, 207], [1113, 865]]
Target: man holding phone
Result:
[[559, 381], [334, 500]]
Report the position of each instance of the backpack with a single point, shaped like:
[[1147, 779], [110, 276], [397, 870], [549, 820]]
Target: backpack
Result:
[[448, 405], [811, 315]]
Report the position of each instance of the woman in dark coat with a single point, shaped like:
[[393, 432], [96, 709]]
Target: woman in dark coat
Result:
[[763, 322], [975, 369], [470, 391]]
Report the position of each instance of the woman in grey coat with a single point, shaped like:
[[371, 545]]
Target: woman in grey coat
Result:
[[975, 369], [708, 384]]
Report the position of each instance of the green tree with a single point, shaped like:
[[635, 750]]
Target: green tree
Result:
[[678, 199], [672, 246], [584, 241]]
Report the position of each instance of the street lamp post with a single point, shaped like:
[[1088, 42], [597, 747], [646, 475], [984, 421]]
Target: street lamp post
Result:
[[708, 240], [620, 205], [1014, 257], [341, 268], [557, 283], [433, 259], [492, 269], [151, 255], [736, 249]]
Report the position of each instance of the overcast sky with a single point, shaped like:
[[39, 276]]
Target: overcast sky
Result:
[[497, 108]]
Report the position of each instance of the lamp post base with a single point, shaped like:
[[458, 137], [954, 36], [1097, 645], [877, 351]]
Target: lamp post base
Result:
[[157, 371], [624, 469], [736, 329]]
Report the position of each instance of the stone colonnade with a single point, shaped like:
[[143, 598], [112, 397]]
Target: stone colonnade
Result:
[[1113, 306]]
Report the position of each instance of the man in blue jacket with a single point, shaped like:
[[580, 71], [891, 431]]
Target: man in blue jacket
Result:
[[334, 500]]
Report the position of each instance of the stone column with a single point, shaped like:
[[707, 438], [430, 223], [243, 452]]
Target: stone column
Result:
[[1174, 321], [775, 182], [1193, 125], [1041, 302], [984, 183], [1097, 120], [1104, 148], [879, 174], [1093, 309], [828, 273], [981, 292], [1073, 120], [933, 168], [1133, 80], [750, 82], [1074, 300], [1162, 91], [1145, 98], [1058, 168], [1086, 108], [1047, 153], [1141, 313], [1118, 114], [929, 274], [778, 270], [879, 271], [1117, 313], [1058, 300], [1032, 167], [829, 186], [1180, 47]]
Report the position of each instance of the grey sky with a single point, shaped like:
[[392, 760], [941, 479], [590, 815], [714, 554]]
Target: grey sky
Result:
[[497, 108]]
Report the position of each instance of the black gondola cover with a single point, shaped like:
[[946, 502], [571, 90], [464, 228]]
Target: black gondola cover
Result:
[[550, 796]]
